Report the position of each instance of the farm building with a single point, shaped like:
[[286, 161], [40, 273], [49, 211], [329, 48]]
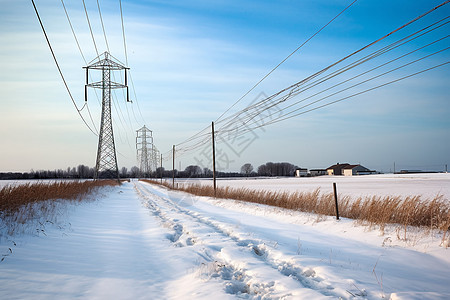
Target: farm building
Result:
[[336, 169], [300, 172], [348, 170], [352, 170], [318, 172]]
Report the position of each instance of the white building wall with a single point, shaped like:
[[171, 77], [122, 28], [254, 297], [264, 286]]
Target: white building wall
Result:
[[348, 172]]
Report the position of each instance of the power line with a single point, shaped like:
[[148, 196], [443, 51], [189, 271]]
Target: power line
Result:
[[90, 28], [293, 93], [84, 59], [135, 96], [201, 138], [304, 81], [292, 53], [123, 33], [268, 74], [293, 113], [73, 31], [103, 26], [126, 61], [59, 69], [359, 93], [90, 116]]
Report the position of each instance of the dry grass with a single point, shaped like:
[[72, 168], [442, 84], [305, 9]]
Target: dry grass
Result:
[[372, 211], [14, 197], [29, 207]]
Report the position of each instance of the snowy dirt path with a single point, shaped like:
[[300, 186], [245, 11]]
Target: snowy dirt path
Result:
[[274, 257], [141, 241]]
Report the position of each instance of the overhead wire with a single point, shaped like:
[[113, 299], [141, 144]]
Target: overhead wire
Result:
[[304, 81], [202, 137], [84, 59], [126, 61], [73, 31], [238, 114], [272, 70], [103, 26], [250, 115], [284, 116], [58, 67], [294, 113], [90, 28], [292, 53], [359, 93]]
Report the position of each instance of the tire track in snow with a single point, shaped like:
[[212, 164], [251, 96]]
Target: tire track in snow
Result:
[[236, 280], [268, 255]]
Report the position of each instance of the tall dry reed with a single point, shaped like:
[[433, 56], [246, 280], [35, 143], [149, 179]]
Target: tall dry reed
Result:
[[12, 197], [29, 207], [372, 210]]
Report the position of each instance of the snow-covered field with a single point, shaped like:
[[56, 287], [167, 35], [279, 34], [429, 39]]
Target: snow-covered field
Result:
[[140, 241], [427, 184]]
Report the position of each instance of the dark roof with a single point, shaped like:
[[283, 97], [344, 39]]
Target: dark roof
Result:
[[351, 166], [338, 166]]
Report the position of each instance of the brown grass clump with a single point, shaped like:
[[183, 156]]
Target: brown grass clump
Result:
[[371, 210], [14, 197]]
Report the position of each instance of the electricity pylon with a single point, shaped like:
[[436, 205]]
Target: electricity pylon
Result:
[[155, 157], [106, 165], [144, 148]]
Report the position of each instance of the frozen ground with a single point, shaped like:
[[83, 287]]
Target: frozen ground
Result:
[[140, 241]]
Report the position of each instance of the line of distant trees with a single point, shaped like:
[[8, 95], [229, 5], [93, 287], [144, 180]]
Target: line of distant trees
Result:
[[247, 170], [80, 172], [192, 171]]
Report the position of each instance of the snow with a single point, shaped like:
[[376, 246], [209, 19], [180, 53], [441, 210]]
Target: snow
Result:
[[427, 185], [141, 241]]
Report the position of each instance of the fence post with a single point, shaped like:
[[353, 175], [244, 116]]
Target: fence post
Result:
[[336, 200]]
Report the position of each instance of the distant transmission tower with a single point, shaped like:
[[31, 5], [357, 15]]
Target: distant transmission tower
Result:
[[106, 165], [155, 157], [145, 150]]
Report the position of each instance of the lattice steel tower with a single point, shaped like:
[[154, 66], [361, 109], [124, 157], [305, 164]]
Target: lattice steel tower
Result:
[[144, 148], [106, 165]]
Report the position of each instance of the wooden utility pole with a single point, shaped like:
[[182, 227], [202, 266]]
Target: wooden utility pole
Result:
[[161, 169], [173, 167], [336, 200], [214, 158]]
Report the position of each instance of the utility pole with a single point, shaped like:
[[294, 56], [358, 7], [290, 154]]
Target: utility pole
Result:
[[106, 165], [214, 158], [161, 169], [144, 148], [173, 167]]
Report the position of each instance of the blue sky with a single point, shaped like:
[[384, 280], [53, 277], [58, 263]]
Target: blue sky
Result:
[[191, 60]]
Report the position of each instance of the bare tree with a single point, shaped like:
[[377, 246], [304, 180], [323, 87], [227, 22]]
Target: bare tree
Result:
[[124, 172], [247, 169], [134, 172], [193, 171], [276, 169]]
